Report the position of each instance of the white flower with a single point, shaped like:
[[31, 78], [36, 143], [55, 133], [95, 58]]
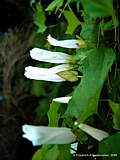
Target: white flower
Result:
[[46, 74], [73, 148], [39, 135], [94, 132], [62, 99], [52, 57], [71, 43]]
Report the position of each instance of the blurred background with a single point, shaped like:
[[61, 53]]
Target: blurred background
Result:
[[22, 100], [15, 98]]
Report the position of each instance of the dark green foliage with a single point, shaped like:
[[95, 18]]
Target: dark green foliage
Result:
[[86, 95]]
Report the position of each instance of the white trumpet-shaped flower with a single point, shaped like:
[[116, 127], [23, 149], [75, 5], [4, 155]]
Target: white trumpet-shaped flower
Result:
[[71, 43], [93, 132], [39, 135], [46, 74], [74, 148], [62, 99], [52, 57]]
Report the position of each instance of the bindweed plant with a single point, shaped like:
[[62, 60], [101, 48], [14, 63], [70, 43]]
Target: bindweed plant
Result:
[[88, 112]]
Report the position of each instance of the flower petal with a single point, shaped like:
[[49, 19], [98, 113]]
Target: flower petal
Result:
[[72, 43], [48, 56], [62, 99], [60, 68], [74, 148], [94, 132], [42, 74], [39, 135]]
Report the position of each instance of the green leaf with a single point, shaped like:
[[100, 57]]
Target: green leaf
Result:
[[53, 114], [55, 4], [116, 113], [105, 26], [39, 17], [98, 8], [38, 88], [86, 95], [37, 155], [89, 30], [73, 21], [64, 151], [42, 108], [110, 147], [53, 153], [48, 152]]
